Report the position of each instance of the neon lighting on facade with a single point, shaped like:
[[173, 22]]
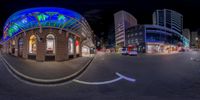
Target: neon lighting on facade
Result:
[[47, 17]]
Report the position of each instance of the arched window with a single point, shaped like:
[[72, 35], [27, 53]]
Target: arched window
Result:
[[13, 42], [77, 47], [50, 48], [13, 47], [33, 44], [70, 46]]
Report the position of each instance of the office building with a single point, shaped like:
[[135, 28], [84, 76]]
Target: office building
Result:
[[155, 39], [168, 18], [123, 20]]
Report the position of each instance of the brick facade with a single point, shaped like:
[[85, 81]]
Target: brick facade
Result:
[[61, 44]]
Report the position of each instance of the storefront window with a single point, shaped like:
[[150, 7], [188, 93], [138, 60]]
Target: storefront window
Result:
[[70, 46], [77, 46], [13, 42], [85, 50], [50, 45], [32, 44]]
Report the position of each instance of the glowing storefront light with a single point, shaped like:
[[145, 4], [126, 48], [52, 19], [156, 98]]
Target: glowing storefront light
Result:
[[47, 16], [50, 44], [33, 44], [70, 46], [13, 42], [85, 50], [77, 47]]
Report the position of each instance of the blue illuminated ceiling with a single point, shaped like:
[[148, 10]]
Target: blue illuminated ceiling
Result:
[[41, 17]]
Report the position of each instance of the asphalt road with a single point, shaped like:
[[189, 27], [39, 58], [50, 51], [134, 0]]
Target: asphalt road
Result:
[[158, 77]]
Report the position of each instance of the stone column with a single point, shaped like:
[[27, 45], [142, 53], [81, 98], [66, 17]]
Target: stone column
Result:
[[6, 47], [41, 50], [66, 46], [25, 46], [74, 43], [16, 46], [80, 49], [80, 53], [60, 46], [9, 46]]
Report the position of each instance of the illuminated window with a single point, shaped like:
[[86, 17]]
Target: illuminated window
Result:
[[77, 46], [13, 42], [85, 50], [70, 46], [32, 44], [50, 48]]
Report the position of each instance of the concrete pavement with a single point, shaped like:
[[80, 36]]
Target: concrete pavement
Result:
[[162, 77], [45, 72]]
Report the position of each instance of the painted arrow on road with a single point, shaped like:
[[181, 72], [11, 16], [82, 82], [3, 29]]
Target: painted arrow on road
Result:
[[120, 77]]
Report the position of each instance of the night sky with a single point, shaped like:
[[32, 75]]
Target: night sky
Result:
[[99, 13]]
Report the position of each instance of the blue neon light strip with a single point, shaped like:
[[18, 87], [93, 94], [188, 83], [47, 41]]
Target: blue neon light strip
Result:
[[47, 16]]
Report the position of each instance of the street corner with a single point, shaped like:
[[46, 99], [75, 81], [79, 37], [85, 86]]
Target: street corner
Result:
[[45, 73]]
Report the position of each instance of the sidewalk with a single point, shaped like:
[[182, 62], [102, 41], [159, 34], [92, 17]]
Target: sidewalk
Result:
[[171, 53], [46, 70]]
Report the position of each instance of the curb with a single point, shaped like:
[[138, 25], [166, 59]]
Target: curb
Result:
[[44, 81]]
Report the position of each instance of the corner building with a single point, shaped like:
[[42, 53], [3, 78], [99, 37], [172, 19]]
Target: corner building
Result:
[[46, 34]]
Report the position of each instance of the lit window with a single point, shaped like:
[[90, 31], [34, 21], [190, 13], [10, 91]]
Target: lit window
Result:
[[50, 48], [70, 46], [32, 44], [13, 42], [77, 46]]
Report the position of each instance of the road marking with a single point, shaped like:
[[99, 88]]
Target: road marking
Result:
[[120, 77], [126, 78]]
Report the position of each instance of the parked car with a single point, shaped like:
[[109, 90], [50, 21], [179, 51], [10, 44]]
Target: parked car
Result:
[[124, 51], [133, 53]]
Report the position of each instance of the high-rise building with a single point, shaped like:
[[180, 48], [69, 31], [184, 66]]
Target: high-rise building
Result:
[[168, 18], [123, 20], [186, 33], [154, 39]]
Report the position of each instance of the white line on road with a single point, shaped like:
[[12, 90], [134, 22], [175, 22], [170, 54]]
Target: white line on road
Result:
[[126, 78], [120, 76]]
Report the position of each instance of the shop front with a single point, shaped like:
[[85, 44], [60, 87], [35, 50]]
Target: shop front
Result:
[[161, 48]]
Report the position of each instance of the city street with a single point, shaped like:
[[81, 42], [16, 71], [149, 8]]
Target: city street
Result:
[[99, 50], [157, 77]]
